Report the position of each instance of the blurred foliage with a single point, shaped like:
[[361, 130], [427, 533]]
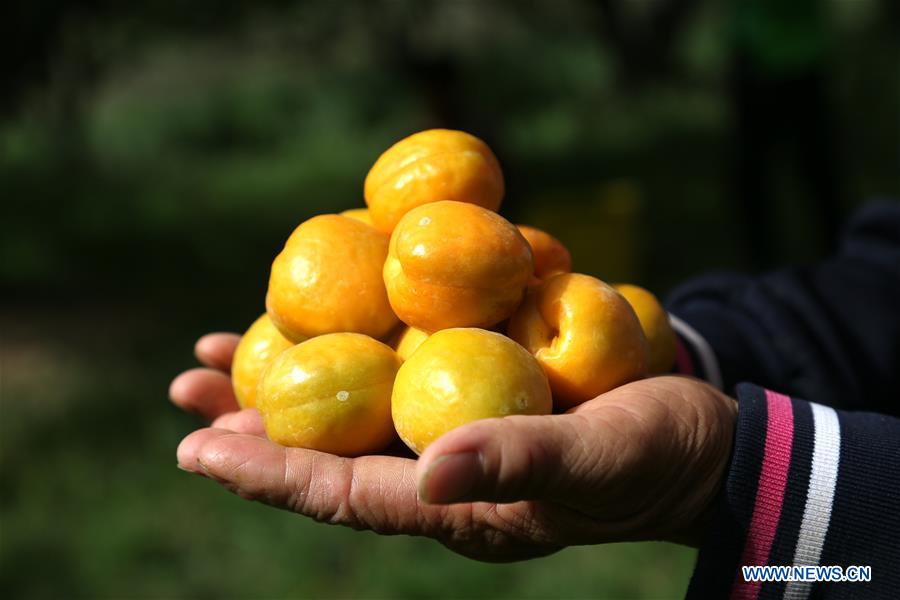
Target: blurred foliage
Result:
[[154, 159]]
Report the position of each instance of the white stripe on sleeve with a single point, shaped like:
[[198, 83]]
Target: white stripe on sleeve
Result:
[[819, 497]]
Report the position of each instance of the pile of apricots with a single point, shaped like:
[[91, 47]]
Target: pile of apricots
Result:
[[428, 310]]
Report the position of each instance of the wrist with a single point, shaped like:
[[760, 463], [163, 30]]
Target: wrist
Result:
[[713, 445]]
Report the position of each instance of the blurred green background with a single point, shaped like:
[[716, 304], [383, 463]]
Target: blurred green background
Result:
[[154, 157]]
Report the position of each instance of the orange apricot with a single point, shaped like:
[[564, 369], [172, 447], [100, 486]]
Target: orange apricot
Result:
[[584, 334], [328, 279], [550, 255], [432, 165], [452, 264]]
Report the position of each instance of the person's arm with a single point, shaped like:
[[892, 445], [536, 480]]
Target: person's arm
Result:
[[645, 461], [807, 485], [830, 331]]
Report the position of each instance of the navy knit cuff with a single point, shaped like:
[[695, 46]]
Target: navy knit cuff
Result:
[[806, 486]]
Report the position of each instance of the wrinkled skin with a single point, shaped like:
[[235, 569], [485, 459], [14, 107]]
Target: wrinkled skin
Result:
[[641, 462]]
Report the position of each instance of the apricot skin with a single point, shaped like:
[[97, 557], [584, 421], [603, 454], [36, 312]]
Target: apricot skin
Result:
[[655, 323], [328, 279], [259, 346], [360, 214], [331, 393], [452, 264], [461, 375], [550, 255], [584, 334], [429, 166], [408, 341]]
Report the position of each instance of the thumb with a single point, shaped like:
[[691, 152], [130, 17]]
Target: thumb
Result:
[[509, 459]]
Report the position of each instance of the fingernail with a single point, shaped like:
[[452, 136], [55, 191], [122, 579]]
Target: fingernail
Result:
[[450, 478]]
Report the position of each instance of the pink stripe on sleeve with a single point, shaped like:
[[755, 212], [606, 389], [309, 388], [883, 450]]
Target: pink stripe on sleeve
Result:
[[770, 492], [683, 362]]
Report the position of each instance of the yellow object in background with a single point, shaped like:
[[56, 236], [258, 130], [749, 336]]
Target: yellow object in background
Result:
[[461, 375], [453, 264], [328, 279], [331, 393], [432, 165], [655, 323], [258, 347], [584, 334], [602, 225]]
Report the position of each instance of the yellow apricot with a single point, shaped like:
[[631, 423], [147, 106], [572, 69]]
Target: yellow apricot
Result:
[[328, 279], [452, 264], [583, 333], [432, 165], [360, 214], [407, 341], [331, 393], [655, 323], [258, 347], [461, 375]]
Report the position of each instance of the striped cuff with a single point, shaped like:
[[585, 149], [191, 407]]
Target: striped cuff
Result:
[[694, 354], [778, 497]]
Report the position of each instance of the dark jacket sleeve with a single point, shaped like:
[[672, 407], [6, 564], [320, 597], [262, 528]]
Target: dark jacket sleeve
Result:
[[829, 332], [807, 486]]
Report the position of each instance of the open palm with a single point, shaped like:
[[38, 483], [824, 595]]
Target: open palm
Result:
[[643, 461]]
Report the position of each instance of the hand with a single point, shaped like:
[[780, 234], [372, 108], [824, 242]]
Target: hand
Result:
[[641, 462]]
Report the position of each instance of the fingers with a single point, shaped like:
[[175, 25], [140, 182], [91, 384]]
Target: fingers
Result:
[[247, 421], [206, 392], [189, 448], [372, 492], [509, 459], [215, 350]]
